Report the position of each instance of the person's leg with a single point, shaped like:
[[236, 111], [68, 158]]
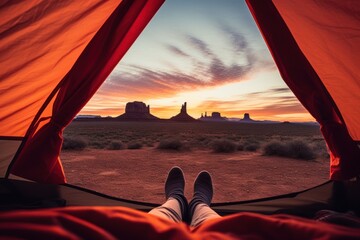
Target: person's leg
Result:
[[175, 208], [199, 206]]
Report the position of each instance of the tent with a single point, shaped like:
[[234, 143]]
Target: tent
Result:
[[56, 54]]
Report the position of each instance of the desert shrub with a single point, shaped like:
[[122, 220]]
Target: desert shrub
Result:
[[233, 137], [201, 138], [74, 143], [252, 147], [115, 145], [171, 144], [134, 145], [223, 146], [300, 150], [292, 149], [240, 147], [206, 142], [276, 148], [98, 144]]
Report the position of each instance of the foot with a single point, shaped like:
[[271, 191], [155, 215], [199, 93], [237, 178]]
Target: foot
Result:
[[175, 183], [203, 190], [174, 187]]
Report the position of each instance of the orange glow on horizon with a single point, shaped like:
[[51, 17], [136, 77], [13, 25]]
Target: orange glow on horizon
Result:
[[232, 100], [255, 114]]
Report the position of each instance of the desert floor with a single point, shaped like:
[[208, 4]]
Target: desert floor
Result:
[[140, 174]]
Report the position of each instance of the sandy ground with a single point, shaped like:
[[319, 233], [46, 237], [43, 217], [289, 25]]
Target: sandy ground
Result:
[[140, 174]]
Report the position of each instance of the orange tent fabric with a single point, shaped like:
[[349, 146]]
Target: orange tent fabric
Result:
[[295, 33], [124, 223], [39, 159], [327, 32], [40, 41]]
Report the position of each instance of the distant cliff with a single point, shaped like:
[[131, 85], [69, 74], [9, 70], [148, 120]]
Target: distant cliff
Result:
[[183, 116], [137, 111]]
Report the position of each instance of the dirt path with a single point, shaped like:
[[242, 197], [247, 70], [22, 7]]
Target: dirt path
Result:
[[140, 174]]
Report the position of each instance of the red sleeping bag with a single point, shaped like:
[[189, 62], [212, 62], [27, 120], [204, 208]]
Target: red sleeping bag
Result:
[[125, 223]]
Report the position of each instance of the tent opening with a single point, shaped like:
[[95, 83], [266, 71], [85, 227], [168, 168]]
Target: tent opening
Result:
[[199, 92]]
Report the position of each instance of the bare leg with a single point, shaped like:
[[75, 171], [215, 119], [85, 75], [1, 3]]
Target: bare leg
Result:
[[175, 207]]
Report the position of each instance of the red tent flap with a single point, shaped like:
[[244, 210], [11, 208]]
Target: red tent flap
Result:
[[303, 79], [39, 159]]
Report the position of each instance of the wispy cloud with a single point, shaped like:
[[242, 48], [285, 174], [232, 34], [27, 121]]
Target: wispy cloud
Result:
[[177, 51], [272, 93], [281, 90], [209, 70], [200, 45], [221, 73], [145, 82], [267, 105], [238, 41]]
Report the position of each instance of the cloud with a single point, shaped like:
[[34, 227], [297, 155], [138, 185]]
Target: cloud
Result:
[[285, 108], [273, 92], [141, 82], [240, 50], [176, 50], [200, 45], [239, 42], [262, 105], [280, 90], [103, 111], [274, 98], [264, 112], [208, 71], [242, 47], [221, 73]]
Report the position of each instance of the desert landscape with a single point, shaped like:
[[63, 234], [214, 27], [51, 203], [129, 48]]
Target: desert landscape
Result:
[[131, 159]]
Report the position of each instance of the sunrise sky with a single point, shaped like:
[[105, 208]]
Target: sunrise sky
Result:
[[208, 53]]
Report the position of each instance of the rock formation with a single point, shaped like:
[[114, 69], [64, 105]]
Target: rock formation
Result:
[[215, 116], [183, 116], [137, 111], [246, 118]]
